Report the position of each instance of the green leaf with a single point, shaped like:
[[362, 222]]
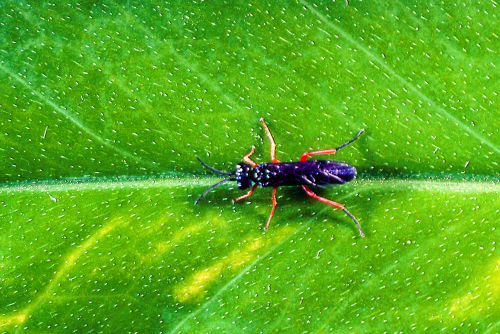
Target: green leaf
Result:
[[105, 106]]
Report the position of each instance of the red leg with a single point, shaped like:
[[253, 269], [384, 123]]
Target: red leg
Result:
[[334, 204], [307, 154], [273, 145], [324, 200], [274, 207], [331, 151], [247, 195], [247, 159]]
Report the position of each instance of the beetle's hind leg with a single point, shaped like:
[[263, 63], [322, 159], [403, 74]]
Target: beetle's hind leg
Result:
[[334, 204], [330, 151], [273, 145], [307, 154], [350, 141]]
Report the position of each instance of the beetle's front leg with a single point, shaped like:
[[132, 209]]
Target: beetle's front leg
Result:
[[273, 145], [247, 159], [247, 195]]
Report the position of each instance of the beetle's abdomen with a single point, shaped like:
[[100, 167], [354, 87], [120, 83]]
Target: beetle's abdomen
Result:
[[309, 173]]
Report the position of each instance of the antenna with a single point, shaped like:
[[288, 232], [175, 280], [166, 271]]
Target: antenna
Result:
[[217, 184], [212, 187], [213, 169]]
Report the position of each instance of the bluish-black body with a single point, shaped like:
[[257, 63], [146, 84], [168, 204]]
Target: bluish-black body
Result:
[[303, 173], [307, 173]]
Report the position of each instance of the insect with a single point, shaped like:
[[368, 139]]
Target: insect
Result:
[[303, 173]]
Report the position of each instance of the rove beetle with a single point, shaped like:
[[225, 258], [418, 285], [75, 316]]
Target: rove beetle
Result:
[[303, 173]]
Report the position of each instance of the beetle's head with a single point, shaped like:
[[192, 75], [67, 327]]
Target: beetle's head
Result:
[[242, 175]]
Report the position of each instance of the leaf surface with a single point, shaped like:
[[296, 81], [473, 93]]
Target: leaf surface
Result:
[[105, 106]]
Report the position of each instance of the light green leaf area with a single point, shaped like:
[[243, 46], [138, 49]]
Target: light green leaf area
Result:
[[137, 256], [104, 106]]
